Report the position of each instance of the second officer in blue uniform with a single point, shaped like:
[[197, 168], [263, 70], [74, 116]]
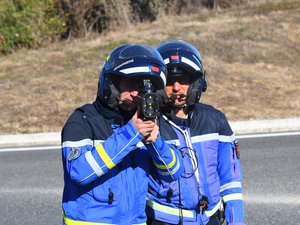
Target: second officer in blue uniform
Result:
[[212, 172]]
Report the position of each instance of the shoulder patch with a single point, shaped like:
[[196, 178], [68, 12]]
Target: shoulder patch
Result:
[[74, 154]]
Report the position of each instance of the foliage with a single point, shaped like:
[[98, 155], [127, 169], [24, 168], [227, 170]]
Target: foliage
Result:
[[28, 23], [84, 17], [31, 23]]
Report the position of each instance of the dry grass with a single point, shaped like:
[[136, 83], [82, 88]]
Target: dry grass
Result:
[[251, 54]]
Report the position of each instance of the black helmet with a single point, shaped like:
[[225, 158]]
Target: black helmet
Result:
[[135, 61], [182, 58]]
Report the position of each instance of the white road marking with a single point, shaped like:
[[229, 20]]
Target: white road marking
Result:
[[43, 191], [22, 149], [42, 148], [272, 199], [245, 136]]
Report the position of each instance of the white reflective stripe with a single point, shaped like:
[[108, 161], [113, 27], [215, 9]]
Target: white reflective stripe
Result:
[[237, 196], [97, 142], [167, 60], [213, 136], [139, 69], [191, 63], [170, 210], [140, 145], [81, 143], [176, 168], [235, 184], [92, 162], [224, 138], [77, 143], [163, 77], [174, 142], [205, 137], [212, 211], [172, 171]]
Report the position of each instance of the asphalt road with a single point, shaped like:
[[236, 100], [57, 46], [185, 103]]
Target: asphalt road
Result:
[[32, 181]]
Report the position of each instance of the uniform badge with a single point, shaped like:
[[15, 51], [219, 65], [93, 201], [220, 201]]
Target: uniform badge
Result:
[[74, 154], [237, 149]]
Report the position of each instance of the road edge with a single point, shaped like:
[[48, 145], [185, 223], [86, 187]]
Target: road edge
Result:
[[239, 128]]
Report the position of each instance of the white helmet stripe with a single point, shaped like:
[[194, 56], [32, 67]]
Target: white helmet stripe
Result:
[[163, 77], [140, 69], [191, 63], [167, 61]]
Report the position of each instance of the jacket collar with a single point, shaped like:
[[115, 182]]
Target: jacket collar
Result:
[[118, 116]]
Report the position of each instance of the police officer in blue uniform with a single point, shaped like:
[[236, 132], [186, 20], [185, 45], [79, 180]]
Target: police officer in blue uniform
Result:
[[109, 149], [212, 172]]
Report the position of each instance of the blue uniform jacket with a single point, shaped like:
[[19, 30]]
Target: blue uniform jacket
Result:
[[212, 169], [107, 167]]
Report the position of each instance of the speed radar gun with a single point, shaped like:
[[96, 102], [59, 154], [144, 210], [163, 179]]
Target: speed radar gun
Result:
[[150, 102]]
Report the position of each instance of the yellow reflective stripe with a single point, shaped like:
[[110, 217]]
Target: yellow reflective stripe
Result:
[[68, 221], [231, 197], [212, 211], [169, 210], [104, 156], [170, 164]]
